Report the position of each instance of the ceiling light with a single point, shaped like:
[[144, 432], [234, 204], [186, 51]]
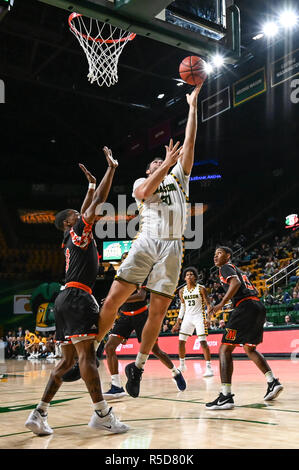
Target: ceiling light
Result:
[[180, 83], [258, 36], [270, 29], [288, 19], [208, 68], [218, 60], [161, 96]]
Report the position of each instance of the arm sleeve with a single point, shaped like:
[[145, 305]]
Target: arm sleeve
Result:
[[81, 233], [182, 311], [228, 271], [136, 184], [178, 171]]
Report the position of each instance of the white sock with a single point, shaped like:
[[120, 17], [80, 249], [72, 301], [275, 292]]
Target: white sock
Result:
[[208, 363], [43, 406], [182, 362], [115, 380], [141, 360], [226, 388], [269, 376], [175, 371], [102, 408]]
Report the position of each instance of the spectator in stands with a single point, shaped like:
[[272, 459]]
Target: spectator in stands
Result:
[[221, 325], [20, 332], [101, 269], [110, 273], [278, 297], [288, 321], [166, 327]]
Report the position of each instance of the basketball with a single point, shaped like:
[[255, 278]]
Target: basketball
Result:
[[192, 70]]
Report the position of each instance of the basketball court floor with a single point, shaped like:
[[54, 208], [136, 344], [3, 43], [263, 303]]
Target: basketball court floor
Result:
[[161, 417]]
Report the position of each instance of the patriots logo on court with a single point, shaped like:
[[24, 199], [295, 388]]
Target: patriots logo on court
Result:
[[231, 334]]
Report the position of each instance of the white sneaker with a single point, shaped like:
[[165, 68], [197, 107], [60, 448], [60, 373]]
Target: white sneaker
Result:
[[109, 423], [31, 356], [209, 372], [38, 424]]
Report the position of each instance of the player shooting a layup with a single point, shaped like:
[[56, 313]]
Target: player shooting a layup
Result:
[[157, 252], [244, 328], [192, 316], [76, 311]]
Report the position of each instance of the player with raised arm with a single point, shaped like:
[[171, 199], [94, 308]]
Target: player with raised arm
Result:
[[76, 310], [244, 328], [157, 252], [192, 316]]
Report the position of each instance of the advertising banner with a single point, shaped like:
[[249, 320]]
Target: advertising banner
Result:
[[284, 68], [250, 86], [274, 342], [215, 104]]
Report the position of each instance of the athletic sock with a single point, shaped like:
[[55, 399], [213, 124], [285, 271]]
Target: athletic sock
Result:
[[141, 360], [42, 407], [101, 408], [175, 371], [182, 362], [226, 389], [269, 376], [115, 380], [208, 363]]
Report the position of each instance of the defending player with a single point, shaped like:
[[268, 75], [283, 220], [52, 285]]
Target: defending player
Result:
[[192, 316], [157, 252], [76, 311], [244, 328], [133, 316]]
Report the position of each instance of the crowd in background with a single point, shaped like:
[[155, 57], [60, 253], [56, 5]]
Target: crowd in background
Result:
[[22, 344]]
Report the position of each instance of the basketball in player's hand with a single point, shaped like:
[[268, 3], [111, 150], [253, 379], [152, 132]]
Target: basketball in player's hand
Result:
[[192, 70]]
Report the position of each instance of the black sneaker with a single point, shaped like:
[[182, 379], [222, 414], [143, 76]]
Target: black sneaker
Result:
[[180, 381], [133, 374], [74, 374], [274, 389], [222, 402]]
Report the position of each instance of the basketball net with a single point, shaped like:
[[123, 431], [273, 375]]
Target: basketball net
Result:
[[102, 44]]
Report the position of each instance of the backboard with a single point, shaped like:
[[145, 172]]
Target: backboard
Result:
[[202, 27]]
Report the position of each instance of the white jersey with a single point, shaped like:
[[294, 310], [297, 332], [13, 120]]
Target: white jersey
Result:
[[164, 214], [194, 301]]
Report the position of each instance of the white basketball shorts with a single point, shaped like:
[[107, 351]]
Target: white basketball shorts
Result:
[[157, 260]]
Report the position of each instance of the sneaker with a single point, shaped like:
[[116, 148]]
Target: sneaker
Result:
[[222, 402], [274, 389], [114, 392], [38, 423], [209, 372], [180, 381], [133, 374], [109, 422], [74, 373], [51, 355]]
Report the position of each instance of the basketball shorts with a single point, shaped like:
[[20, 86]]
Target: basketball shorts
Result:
[[157, 260], [76, 314], [191, 323], [245, 324], [126, 324]]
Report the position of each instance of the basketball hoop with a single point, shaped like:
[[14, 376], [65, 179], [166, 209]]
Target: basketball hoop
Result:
[[102, 53]]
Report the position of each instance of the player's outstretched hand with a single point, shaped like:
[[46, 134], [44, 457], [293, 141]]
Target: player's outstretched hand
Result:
[[175, 327], [89, 176], [192, 98], [108, 154], [173, 153]]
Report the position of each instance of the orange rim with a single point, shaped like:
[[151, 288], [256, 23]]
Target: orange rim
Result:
[[89, 38]]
